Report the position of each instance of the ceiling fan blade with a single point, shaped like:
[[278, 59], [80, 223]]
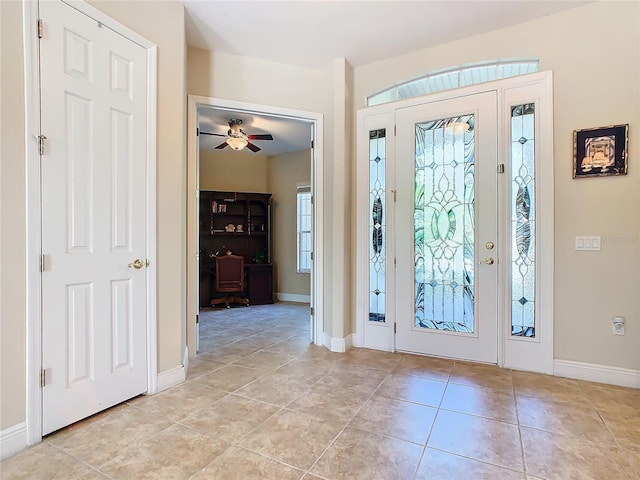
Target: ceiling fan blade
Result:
[[213, 134], [253, 148], [221, 146], [266, 136]]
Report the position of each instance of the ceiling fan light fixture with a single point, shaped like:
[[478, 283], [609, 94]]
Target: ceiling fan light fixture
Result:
[[237, 143]]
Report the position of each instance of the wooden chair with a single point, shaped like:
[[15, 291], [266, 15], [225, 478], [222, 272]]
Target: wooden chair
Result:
[[230, 279]]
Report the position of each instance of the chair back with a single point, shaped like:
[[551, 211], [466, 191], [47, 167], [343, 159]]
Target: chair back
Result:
[[230, 273]]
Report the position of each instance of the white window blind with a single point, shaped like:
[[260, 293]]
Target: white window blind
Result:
[[304, 222]]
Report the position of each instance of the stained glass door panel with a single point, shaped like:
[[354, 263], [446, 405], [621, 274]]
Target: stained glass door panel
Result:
[[447, 220]]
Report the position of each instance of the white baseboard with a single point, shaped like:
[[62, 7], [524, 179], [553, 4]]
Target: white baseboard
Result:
[[171, 378], [338, 345], [12, 440], [348, 342], [623, 377], [185, 361], [292, 297]]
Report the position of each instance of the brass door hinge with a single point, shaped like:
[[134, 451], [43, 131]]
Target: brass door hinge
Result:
[[41, 139]]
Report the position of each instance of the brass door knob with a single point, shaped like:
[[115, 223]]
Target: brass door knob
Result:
[[487, 261], [137, 264]]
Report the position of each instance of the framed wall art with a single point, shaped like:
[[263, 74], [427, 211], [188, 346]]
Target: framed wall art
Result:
[[599, 152]]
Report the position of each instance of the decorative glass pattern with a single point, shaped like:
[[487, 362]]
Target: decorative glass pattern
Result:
[[377, 233], [523, 259], [444, 224], [455, 77]]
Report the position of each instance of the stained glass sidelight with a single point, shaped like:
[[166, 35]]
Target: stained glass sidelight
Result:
[[523, 259], [377, 248], [444, 224]]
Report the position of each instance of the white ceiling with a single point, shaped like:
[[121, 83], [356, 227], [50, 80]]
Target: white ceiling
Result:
[[288, 135], [311, 34]]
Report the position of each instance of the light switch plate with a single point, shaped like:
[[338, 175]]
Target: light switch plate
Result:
[[591, 244]]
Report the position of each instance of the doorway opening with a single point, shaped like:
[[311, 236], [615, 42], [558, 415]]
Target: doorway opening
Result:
[[242, 200]]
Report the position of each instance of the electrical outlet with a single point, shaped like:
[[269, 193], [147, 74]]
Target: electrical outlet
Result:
[[617, 325]]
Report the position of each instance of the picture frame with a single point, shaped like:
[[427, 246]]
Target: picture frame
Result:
[[600, 152]]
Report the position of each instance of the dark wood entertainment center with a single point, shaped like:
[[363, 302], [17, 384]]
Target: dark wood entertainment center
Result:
[[239, 222]]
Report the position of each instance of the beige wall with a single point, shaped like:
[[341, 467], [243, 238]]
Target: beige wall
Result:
[[251, 80], [284, 172], [596, 83], [12, 219], [167, 31], [231, 171]]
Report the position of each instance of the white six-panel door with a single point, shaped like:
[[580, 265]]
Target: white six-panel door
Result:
[[94, 99]]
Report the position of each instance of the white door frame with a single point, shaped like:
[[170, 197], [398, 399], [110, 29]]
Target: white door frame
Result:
[[315, 120], [513, 352], [34, 211]]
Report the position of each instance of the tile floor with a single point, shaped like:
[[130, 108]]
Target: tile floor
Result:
[[260, 403]]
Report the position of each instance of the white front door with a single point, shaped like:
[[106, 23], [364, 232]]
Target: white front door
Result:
[[446, 228], [94, 101]]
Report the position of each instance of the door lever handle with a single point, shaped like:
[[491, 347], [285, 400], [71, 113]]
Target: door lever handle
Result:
[[137, 264], [487, 261]]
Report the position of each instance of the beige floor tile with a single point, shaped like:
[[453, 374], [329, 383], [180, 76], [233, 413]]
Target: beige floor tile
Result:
[[483, 402], [549, 387], [478, 438], [366, 379], [438, 465], [556, 456], [201, 365], [358, 455], [626, 431], [386, 396], [179, 401], [98, 442], [613, 400], [425, 367], [372, 359], [239, 464], [294, 346], [46, 462], [175, 453], [479, 375], [264, 361], [404, 420], [292, 437], [230, 418], [276, 389], [256, 342], [330, 403], [229, 378], [305, 369], [561, 417], [413, 389], [228, 353]]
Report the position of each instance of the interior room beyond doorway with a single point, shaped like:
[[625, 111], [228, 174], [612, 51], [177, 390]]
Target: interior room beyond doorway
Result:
[[248, 208]]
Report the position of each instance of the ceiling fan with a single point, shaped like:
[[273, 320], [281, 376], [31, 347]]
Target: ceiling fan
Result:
[[237, 138]]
